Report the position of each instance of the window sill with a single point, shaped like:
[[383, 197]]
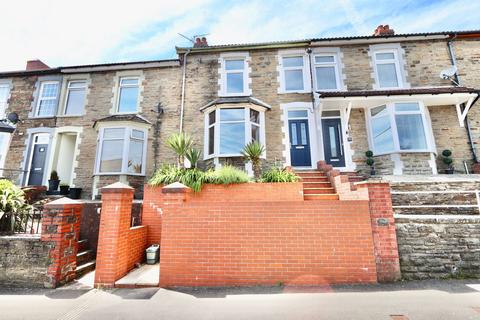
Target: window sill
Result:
[[403, 151], [119, 174], [42, 117], [70, 115], [293, 91], [243, 94]]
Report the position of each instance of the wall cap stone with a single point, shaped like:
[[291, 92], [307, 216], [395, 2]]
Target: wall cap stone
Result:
[[175, 187], [117, 187], [63, 201]]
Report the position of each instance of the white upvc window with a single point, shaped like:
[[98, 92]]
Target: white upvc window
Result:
[[228, 130], [122, 150], [387, 69], [128, 95], [327, 76], [399, 127], [294, 75], [47, 99], [4, 95], [75, 97], [234, 79]]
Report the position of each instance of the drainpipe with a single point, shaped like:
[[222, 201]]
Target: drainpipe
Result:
[[184, 76], [451, 52]]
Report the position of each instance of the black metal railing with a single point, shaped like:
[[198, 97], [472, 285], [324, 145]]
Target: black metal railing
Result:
[[27, 221]]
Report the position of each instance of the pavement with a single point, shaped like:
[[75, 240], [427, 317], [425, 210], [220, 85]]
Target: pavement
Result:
[[438, 300]]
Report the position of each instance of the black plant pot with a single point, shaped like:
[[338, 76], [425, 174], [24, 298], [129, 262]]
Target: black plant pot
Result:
[[372, 172], [75, 193], [449, 171], [64, 190], [53, 185]]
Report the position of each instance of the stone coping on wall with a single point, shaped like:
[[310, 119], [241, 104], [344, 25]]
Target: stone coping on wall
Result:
[[20, 236], [432, 178]]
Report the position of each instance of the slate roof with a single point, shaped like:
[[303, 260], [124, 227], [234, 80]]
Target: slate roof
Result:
[[234, 100], [123, 117]]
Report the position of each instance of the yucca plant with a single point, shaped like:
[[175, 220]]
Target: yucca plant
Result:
[[252, 152], [180, 143], [193, 155]]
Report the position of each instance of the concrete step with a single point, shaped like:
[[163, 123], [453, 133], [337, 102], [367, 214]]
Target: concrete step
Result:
[[307, 185], [85, 256], [82, 245], [311, 174], [315, 179], [85, 268], [333, 196], [318, 190]]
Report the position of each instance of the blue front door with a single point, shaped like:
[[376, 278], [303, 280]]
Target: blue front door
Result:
[[299, 143], [332, 142]]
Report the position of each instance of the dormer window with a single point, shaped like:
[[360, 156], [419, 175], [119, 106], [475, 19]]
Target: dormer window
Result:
[[234, 75]]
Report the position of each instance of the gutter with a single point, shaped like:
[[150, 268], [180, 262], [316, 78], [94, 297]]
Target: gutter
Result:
[[184, 76], [451, 52]]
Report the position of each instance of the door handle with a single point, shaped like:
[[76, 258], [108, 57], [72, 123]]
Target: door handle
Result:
[[299, 147]]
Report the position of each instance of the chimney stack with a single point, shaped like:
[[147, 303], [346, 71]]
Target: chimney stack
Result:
[[200, 42], [383, 30], [33, 65]]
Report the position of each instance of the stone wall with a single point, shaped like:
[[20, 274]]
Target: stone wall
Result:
[[24, 261], [439, 247]]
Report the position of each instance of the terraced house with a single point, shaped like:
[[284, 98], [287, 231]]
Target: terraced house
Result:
[[406, 97]]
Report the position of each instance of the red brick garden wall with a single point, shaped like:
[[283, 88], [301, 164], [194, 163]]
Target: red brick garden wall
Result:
[[230, 240]]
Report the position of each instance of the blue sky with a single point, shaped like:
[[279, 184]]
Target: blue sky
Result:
[[95, 31]]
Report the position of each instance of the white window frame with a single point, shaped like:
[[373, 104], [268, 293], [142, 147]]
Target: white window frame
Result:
[[223, 74], [40, 98], [126, 145], [334, 64], [305, 71], [216, 125], [390, 107], [3, 107], [395, 61], [68, 93], [119, 91]]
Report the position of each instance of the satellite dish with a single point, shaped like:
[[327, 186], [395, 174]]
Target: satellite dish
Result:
[[448, 73], [13, 117]]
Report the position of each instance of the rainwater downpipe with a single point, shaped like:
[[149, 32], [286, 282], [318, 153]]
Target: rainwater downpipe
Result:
[[451, 52], [182, 102]]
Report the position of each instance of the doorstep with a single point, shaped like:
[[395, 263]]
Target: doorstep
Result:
[[148, 275]]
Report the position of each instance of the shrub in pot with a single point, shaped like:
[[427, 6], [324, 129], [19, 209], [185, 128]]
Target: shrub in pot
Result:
[[447, 159], [370, 162], [54, 181], [64, 189], [75, 193]]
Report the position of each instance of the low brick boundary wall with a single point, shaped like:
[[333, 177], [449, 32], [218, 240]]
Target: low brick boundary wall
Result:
[[438, 246], [24, 261]]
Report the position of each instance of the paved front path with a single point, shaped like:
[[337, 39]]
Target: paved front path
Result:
[[414, 300]]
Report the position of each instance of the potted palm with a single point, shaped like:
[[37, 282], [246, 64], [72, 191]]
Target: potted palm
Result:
[[370, 162], [252, 152], [447, 160], [54, 181]]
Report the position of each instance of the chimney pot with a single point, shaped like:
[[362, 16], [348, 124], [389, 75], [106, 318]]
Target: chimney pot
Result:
[[200, 42], [383, 30], [36, 65]]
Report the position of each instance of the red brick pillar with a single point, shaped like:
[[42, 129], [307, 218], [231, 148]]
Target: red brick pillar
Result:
[[61, 227], [112, 250], [173, 197], [384, 233]]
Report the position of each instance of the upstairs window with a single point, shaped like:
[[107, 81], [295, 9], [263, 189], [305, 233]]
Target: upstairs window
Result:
[[4, 94], [47, 99], [128, 92], [387, 69], [398, 127], [234, 76], [293, 73], [75, 97], [121, 151], [236, 127], [326, 72]]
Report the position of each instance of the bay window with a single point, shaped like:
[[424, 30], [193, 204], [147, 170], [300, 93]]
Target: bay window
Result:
[[122, 150], [398, 127], [47, 99], [228, 130]]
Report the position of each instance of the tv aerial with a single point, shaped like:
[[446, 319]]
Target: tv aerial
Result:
[[449, 74]]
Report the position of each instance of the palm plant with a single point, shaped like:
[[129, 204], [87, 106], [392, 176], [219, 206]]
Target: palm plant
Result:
[[252, 152], [193, 155], [181, 143]]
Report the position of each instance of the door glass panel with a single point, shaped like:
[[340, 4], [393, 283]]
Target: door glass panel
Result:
[[333, 113], [294, 134], [303, 133], [333, 142], [298, 114]]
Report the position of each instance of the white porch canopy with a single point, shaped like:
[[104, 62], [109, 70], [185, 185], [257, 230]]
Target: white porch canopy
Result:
[[437, 96]]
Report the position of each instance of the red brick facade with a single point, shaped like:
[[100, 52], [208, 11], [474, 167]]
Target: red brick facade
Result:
[[120, 247], [61, 227]]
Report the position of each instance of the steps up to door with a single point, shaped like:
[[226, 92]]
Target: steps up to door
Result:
[[85, 259], [316, 185]]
